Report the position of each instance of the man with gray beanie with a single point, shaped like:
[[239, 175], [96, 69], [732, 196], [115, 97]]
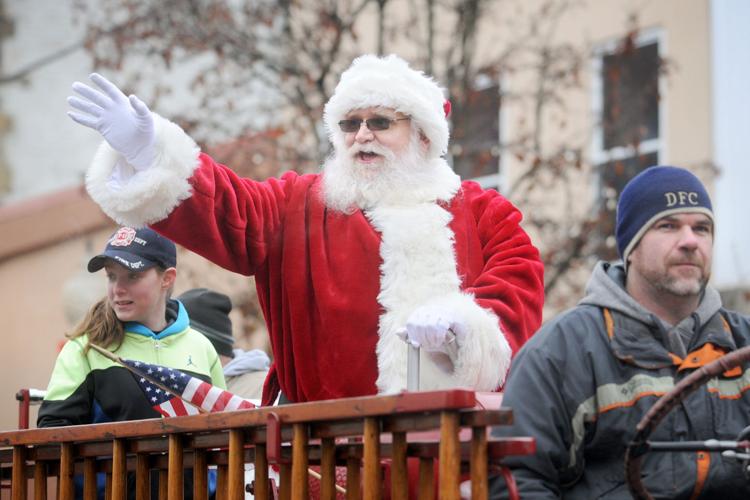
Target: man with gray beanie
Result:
[[584, 381]]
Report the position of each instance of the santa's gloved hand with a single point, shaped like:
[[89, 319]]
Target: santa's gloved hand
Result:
[[124, 122], [434, 329]]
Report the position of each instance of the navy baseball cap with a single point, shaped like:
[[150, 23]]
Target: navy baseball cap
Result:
[[137, 250]]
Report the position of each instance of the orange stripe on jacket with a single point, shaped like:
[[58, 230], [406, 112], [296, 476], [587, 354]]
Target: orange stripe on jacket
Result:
[[630, 402], [705, 355], [702, 464]]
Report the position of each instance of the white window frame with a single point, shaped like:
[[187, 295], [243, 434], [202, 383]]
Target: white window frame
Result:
[[491, 181], [600, 155]]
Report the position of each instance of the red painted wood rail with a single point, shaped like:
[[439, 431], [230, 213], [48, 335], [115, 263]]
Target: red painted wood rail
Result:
[[364, 434]]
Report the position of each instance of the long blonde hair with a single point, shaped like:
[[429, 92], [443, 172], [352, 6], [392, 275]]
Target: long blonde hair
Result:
[[102, 326]]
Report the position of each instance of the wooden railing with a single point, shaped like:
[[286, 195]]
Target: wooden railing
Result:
[[445, 432]]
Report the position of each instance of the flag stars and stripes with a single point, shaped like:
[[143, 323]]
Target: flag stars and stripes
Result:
[[184, 394]]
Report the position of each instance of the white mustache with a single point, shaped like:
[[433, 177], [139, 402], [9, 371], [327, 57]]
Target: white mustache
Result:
[[355, 149]]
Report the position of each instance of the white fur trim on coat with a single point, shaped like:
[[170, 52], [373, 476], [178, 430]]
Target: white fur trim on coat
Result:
[[419, 268], [137, 198], [389, 82]]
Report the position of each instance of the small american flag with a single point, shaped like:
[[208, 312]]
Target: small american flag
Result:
[[174, 393]]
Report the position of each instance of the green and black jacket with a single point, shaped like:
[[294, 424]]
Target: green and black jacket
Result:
[[89, 388]]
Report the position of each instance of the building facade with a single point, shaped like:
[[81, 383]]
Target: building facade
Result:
[[563, 103]]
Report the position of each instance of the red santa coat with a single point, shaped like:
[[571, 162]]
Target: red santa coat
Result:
[[334, 288]]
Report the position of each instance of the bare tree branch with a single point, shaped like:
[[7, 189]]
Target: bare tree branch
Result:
[[41, 62]]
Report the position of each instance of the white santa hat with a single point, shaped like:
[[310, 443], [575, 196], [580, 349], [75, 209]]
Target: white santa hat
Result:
[[389, 82]]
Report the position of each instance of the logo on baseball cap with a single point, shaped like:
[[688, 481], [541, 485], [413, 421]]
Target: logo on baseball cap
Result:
[[137, 250]]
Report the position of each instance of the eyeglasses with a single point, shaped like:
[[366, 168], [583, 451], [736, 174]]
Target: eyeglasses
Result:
[[373, 124]]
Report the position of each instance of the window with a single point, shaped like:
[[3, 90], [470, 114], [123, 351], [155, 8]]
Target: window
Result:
[[628, 136], [475, 134]]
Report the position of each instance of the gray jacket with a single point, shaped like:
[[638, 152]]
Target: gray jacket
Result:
[[580, 387]]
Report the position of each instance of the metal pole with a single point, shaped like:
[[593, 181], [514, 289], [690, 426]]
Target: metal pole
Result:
[[412, 368]]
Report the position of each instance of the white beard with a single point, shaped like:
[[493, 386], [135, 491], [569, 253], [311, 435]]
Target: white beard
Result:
[[399, 195], [406, 178]]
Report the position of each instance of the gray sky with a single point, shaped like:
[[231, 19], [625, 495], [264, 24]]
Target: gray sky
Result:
[[730, 20]]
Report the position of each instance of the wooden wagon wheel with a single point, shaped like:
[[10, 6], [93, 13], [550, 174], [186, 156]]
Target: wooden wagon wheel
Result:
[[639, 446]]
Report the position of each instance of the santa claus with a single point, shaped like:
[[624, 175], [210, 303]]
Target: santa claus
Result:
[[386, 244]]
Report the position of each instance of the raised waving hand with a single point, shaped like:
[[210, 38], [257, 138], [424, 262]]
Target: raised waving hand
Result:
[[125, 122]]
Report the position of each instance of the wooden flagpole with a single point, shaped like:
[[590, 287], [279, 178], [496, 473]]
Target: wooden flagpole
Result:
[[117, 359]]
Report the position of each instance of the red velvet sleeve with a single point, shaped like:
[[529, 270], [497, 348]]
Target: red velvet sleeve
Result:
[[229, 220], [503, 268]]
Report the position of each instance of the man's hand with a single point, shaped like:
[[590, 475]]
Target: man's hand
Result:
[[124, 122], [434, 329]]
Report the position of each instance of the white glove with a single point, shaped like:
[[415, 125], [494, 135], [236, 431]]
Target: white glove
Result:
[[435, 329], [124, 122]]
